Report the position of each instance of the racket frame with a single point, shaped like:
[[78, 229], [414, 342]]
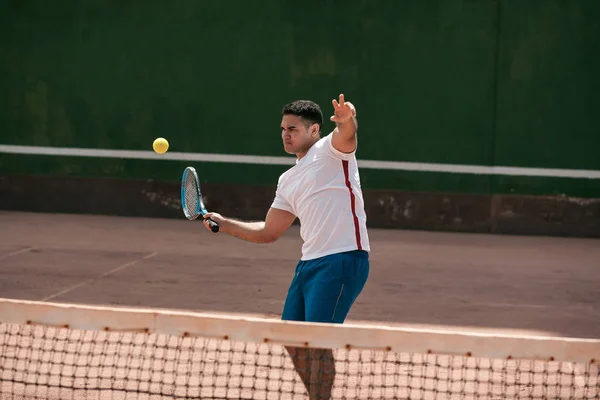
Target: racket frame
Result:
[[200, 208]]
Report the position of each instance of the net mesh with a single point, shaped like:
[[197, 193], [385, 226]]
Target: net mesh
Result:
[[40, 361]]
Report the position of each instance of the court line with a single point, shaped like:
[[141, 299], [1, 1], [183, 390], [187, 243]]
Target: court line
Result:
[[14, 253], [513, 305], [273, 160], [104, 275], [533, 306]]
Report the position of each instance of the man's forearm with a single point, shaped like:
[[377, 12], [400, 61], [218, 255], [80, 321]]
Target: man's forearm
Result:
[[348, 129], [249, 231]]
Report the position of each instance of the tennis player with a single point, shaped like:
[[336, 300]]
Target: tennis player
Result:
[[323, 191]]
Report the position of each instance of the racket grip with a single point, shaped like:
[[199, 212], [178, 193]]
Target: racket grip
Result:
[[213, 225]]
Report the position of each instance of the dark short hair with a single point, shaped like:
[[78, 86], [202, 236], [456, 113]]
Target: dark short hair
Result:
[[305, 109]]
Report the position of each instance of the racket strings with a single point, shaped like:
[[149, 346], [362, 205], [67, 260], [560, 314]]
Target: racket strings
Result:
[[191, 196]]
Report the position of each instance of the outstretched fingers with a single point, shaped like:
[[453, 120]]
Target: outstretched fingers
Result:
[[342, 110], [336, 105]]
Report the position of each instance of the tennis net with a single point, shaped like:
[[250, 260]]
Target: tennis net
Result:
[[73, 351]]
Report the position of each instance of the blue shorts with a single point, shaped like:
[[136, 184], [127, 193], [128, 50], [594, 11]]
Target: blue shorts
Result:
[[324, 289]]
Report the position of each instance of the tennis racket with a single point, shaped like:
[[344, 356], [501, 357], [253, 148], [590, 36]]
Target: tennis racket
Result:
[[191, 197]]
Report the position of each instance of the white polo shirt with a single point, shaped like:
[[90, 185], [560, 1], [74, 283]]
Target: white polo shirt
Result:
[[323, 191]]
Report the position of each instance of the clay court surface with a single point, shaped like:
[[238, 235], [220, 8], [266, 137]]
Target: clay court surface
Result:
[[502, 283]]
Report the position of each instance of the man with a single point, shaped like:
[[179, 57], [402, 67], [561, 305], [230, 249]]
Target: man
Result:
[[323, 191]]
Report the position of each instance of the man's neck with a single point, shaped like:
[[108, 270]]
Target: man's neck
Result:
[[300, 155]]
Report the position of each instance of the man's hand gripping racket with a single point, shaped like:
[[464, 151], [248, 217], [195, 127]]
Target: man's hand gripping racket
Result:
[[191, 198]]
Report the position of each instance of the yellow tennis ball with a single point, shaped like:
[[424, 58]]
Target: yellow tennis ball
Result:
[[160, 145]]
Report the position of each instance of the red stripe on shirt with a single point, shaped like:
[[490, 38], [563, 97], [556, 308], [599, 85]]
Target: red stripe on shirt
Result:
[[352, 204]]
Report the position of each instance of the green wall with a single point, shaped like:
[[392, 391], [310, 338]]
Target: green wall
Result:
[[548, 112], [481, 82]]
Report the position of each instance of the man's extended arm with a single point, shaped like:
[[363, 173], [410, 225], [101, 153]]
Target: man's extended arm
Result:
[[344, 135], [276, 222]]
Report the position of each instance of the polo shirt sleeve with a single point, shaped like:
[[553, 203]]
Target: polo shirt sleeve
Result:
[[335, 153], [280, 202]]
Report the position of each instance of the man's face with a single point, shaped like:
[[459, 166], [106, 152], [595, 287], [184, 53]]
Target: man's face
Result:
[[297, 135]]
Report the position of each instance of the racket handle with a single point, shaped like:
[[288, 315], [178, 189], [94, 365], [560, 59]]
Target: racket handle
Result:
[[213, 225]]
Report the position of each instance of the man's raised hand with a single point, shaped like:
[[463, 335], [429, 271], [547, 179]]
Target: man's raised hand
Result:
[[342, 110]]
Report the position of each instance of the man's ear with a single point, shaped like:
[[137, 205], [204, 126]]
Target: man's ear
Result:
[[314, 130]]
